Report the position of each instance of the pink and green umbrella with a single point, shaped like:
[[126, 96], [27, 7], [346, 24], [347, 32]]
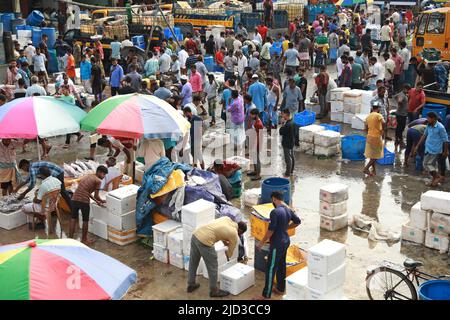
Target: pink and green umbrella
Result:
[[61, 269], [135, 116], [43, 117]]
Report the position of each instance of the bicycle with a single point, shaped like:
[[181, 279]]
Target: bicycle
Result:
[[390, 281]]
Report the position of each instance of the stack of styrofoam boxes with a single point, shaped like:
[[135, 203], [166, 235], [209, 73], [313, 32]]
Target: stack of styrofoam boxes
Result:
[[161, 233], [337, 104], [194, 215], [121, 222], [352, 104], [98, 218], [333, 206], [327, 143], [237, 278], [414, 230], [222, 261], [297, 285], [306, 137], [438, 204], [175, 246], [359, 119]]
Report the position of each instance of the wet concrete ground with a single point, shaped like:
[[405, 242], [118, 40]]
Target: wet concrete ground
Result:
[[388, 198]]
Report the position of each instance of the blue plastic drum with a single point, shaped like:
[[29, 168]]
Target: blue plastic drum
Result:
[[275, 184], [435, 290]]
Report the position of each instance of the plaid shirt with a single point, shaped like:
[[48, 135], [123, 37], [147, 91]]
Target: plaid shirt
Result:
[[34, 171], [383, 105]]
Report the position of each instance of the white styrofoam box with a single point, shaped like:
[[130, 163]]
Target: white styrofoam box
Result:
[[353, 97], [306, 134], [337, 106], [98, 212], [21, 34], [198, 213], [123, 222], [326, 282], [335, 294], [100, 228], [327, 138], [161, 231], [326, 151], [251, 197], [338, 93], [438, 201], [12, 220], [244, 163], [313, 107], [220, 269], [306, 147], [333, 209], [51, 88], [122, 200], [186, 265], [365, 108], [337, 116], [334, 193], [334, 223], [326, 256], [366, 97], [409, 233], [297, 285], [188, 231], [418, 217], [352, 108], [359, 121], [175, 241], [237, 278], [160, 253], [436, 241], [348, 118], [221, 250], [176, 259], [440, 223]]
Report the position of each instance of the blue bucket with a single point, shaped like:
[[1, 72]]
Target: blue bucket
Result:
[[440, 109], [51, 34], [435, 290], [275, 184], [35, 18], [388, 159], [37, 36], [6, 19], [304, 118], [353, 147]]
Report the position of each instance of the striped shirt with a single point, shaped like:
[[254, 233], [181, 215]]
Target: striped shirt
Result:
[[55, 171]]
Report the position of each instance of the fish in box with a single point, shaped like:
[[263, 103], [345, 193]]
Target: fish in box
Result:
[[337, 106], [326, 256], [359, 121], [337, 94], [326, 151], [161, 231], [418, 217], [334, 193], [334, 223], [326, 282], [337, 116], [122, 238], [436, 241], [333, 209], [327, 138], [307, 147], [440, 223], [237, 278], [348, 118], [409, 233], [437, 201], [175, 241], [306, 134]]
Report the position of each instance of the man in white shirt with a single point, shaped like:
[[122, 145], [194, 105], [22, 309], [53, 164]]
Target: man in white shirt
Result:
[[113, 173], [242, 63], [35, 88], [182, 57], [406, 55], [265, 50], [38, 61], [237, 44], [340, 64], [375, 73], [164, 62], [30, 51], [389, 68], [220, 41], [385, 37]]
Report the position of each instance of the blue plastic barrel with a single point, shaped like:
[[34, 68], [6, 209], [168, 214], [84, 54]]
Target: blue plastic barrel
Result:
[[388, 158], [6, 19], [35, 18], [51, 33], [419, 163], [353, 147], [24, 27], [440, 109], [15, 23], [52, 62], [209, 63], [435, 290], [275, 184], [36, 36]]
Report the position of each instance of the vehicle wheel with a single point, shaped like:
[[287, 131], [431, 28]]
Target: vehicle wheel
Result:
[[388, 284]]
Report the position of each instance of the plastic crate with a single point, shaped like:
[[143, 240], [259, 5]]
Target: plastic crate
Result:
[[259, 227], [304, 118], [353, 147], [331, 127], [388, 159]]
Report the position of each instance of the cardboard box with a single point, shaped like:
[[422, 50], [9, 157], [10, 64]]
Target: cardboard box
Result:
[[176, 260], [410, 233], [124, 222], [418, 218], [326, 282], [12, 220], [161, 231], [237, 278], [436, 241], [122, 238], [198, 213], [160, 253], [333, 209], [326, 256], [122, 200], [100, 229], [175, 241], [437, 201], [334, 193], [297, 285], [334, 223]]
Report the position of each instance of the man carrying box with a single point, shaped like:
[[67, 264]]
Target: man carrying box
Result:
[[202, 246], [280, 222]]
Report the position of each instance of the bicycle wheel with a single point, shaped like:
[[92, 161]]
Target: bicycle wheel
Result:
[[389, 284]]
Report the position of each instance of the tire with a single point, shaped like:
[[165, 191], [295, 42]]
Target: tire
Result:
[[409, 293]]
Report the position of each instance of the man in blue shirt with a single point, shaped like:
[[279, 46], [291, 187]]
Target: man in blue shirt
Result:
[[116, 76], [85, 73], [436, 148], [258, 91], [115, 48], [186, 91], [282, 218]]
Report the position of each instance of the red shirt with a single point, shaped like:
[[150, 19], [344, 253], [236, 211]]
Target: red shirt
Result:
[[415, 99], [359, 29], [190, 44], [262, 30], [409, 15], [292, 28], [219, 57], [257, 125]]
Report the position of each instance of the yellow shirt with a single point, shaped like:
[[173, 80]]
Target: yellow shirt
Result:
[[347, 33], [222, 229], [285, 45], [374, 124]]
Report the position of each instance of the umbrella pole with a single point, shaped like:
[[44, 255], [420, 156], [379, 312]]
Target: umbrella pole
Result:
[[37, 148], [134, 161]]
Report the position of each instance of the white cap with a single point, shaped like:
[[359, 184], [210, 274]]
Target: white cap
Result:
[[255, 76], [30, 42], [184, 77]]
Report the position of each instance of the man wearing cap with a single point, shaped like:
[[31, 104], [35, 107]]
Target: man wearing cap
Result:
[[186, 91], [258, 91]]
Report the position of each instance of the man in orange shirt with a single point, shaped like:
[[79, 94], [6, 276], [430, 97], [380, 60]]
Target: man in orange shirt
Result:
[[262, 30], [220, 56], [70, 68], [416, 101]]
